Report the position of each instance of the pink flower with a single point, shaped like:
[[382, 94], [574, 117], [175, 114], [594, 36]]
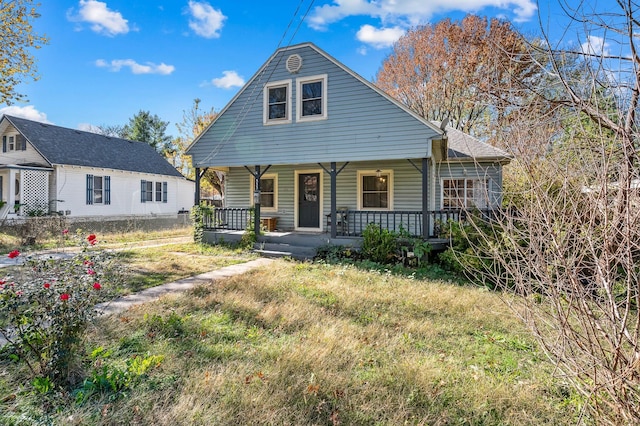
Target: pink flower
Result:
[[92, 239], [46, 285], [2, 282], [97, 286], [64, 296], [19, 293], [65, 232], [91, 271], [88, 263], [13, 254]]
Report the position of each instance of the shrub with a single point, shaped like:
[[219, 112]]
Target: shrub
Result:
[[46, 307], [378, 244]]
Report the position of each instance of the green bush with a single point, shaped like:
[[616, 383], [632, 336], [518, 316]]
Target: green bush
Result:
[[379, 244], [471, 244]]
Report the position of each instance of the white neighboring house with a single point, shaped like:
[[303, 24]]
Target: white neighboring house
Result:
[[46, 168]]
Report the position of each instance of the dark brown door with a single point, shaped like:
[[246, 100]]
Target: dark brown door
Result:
[[309, 200]]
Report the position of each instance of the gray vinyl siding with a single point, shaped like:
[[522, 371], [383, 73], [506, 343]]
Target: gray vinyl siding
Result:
[[362, 124], [469, 170], [407, 189]]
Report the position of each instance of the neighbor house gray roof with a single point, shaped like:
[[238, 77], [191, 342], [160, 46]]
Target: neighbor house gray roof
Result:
[[59, 145], [463, 146]]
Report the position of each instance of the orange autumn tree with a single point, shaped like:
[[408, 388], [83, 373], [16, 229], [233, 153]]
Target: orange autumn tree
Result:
[[461, 70]]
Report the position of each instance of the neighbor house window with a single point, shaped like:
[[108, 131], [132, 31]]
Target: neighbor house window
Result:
[[15, 142], [375, 189], [311, 100], [268, 192], [277, 102], [98, 189], [150, 188], [464, 193]]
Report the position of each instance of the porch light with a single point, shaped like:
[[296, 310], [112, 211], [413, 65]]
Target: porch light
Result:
[[378, 173]]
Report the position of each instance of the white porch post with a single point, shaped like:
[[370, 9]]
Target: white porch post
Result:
[[11, 195]]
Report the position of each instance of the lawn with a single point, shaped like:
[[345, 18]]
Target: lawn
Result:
[[304, 344]]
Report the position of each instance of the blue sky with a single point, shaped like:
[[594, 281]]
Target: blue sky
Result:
[[107, 60]]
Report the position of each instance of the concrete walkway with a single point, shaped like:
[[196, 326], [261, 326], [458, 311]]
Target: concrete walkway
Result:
[[121, 304]]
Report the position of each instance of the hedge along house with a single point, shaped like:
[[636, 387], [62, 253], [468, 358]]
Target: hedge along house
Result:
[[46, 169], [307, 140]]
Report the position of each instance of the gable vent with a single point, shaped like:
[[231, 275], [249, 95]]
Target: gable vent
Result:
[[294, 63]]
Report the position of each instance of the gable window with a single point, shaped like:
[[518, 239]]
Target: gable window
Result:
[[149, 189], [375, 190], [98, 189], [15, 142], [311, 99], [277, 103], [464, 193], [268, 192]]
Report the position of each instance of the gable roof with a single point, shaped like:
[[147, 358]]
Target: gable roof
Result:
[[364, 122], [63, 146]]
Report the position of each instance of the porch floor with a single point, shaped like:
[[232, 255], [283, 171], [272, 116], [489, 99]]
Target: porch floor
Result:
[[308, 240]]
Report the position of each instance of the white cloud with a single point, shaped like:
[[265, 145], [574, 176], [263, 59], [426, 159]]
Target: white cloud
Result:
[[595, 46], [101, 19], [87, 127], [205, 20], [136, 68], [411, 12], [379, 38], [229, 80], [29, 112]]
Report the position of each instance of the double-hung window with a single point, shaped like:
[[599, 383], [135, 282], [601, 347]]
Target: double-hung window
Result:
[[98, 189], [150, 191], [268, 192], [375, 190], [311, 98], [277, 102], [15, 142], [464, 193]]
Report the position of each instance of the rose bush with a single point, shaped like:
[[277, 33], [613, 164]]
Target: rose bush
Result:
[[46, 307]]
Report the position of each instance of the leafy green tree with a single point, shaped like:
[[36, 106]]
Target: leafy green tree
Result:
[[144, 127], [194, 122], [16, 39]]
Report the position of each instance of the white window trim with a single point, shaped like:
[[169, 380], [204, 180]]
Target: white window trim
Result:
[[361, 174], [488, 183], [265, 108], [273, 176], [299, 82], [101, 177], [15, 141]]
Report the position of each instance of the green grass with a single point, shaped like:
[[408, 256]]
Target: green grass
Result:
[[305, 344]]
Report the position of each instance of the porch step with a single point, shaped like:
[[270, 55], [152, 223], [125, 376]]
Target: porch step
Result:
[[275, 250]]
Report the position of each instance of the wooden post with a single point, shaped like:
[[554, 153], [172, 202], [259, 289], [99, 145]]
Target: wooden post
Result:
[[256, 202], [197, 194], [425, 198], [334, 214]]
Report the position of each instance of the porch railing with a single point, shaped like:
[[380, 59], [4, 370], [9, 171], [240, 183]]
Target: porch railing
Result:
[[411, 222], [234, 219], [352, 222]]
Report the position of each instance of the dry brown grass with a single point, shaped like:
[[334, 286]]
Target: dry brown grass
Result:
[[303, 344]]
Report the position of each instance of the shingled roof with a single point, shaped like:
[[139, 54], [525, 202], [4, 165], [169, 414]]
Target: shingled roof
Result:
[[463, 146], [59, 145]]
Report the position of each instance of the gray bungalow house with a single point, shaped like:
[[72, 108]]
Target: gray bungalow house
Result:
[[307, 140], [48, 169]]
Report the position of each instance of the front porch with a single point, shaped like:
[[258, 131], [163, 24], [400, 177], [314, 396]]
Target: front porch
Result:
[[349, 223]]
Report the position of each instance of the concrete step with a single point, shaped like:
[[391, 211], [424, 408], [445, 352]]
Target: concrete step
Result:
[[274, 250]]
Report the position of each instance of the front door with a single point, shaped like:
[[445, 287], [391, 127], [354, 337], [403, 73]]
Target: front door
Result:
[[309, 200]]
